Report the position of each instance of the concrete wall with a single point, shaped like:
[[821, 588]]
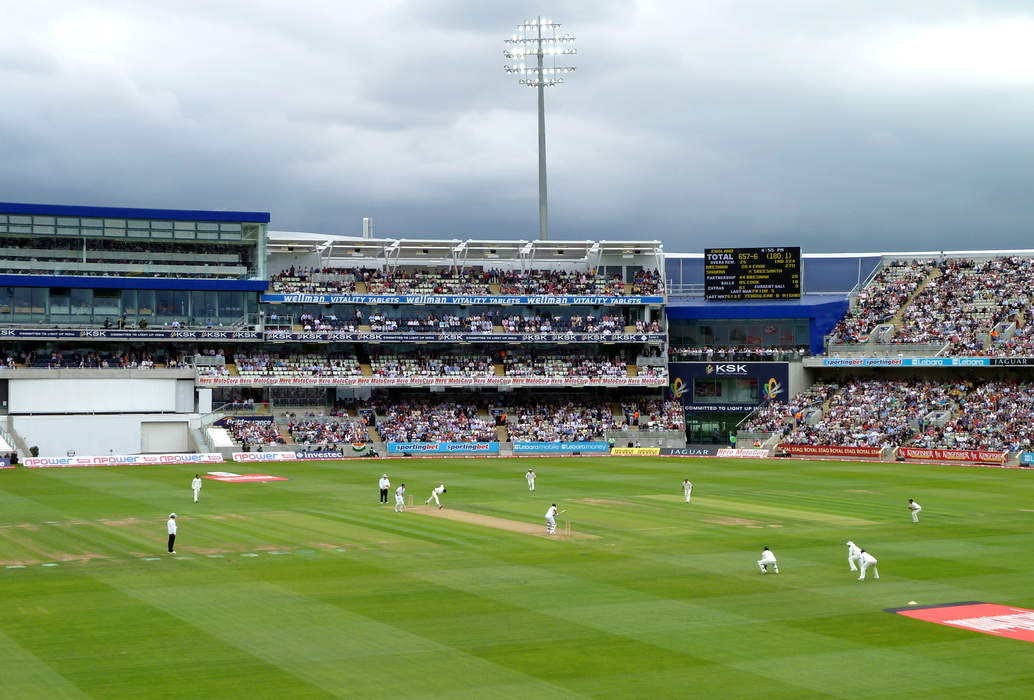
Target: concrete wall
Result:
[[96, 435]]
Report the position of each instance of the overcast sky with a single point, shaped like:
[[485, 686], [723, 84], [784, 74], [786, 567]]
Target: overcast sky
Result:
[[837, 125]]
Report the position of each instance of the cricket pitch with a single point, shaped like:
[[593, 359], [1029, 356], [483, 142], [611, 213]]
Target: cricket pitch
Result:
[[539, 530]]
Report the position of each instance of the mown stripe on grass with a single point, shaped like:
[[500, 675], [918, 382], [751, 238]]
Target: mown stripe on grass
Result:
[[25, 675], [745, 507]]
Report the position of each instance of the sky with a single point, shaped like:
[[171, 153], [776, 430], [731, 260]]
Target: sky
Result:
[[837, 126]]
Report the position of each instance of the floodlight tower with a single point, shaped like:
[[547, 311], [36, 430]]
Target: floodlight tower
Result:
[[528, 42]]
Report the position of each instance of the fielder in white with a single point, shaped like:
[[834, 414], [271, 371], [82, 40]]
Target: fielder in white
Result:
[[867, 561], [687, 489], [551, 520], [854, 555], [400, 498], [530, 477], [195, 485], [915, 508], [768, 559], [435, 492]]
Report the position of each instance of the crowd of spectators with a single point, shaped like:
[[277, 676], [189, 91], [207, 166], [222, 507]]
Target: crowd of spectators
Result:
[[563, 365], [91, 359], [316, 430], [777, 417], [964, 303], [427, 421], [875, 413], [254, 432], [409, 280], [558, 420], [880, 300], [309, 365], [991, 415], [653, 414], [737, 353], [433, 323], [560, 282], [437, 365], [314, 280]]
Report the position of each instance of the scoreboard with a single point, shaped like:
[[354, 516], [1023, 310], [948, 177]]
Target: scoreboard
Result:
[[752, 273]]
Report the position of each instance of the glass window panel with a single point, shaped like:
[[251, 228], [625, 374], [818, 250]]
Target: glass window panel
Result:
[[91, 223], [229, 227], [115, 223], [3, 228], [43, 230], [43, 220], [82, 302], [208, 235], [129, 302], [65, 221], [230, 305], [106, 302], [68, 231], [21, 300], [184, 225], [39, 301], [161, 225], [185, 235], [59, 302], [3, 218], [161, 234], [207, 226], [115, 233], [16, 228], [20, 219], [91, 232], [138, 223], [230, 236], [145, 302]]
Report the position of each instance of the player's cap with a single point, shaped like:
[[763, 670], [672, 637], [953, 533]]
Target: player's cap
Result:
[[384, 475], [172, 515], [850, 543]]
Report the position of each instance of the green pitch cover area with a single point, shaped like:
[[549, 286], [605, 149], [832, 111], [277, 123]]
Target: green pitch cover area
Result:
[[311, 588]]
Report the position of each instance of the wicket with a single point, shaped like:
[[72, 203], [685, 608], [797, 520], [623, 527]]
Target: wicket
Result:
[[411, 499], [567, 528]]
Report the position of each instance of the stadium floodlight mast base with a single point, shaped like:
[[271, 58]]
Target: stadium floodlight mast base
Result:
[[527, 42]]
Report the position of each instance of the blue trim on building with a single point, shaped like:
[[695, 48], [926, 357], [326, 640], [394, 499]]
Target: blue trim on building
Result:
[[821, 312], [132, 283], [259, 217]]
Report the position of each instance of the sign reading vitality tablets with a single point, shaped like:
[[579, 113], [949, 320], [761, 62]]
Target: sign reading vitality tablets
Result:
[[445, 299]]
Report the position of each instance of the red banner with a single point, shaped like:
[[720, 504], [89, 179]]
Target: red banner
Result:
[[954, 455], [831, 450], [997, 620]]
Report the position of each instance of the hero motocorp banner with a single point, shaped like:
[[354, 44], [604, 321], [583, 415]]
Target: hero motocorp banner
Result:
[[459, 300], [546, 447], [728, 386], [397, 448], [447, 337]]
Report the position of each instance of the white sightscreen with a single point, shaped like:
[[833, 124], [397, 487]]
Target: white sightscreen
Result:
[[91, 395]]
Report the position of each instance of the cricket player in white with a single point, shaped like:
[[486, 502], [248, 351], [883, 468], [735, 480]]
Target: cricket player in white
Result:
[[767, 559], [854, 555], [400, 498], [867, 561], [171, 526], [915, 508], [435, 492], [551, 520], [530, 476], [195, 485], [687, 489], [384, 484]]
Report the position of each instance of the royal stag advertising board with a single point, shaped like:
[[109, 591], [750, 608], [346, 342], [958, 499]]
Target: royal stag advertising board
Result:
[[728, 387]]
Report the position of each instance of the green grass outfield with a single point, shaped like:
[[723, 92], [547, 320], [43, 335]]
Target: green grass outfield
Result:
[[310, 588]]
